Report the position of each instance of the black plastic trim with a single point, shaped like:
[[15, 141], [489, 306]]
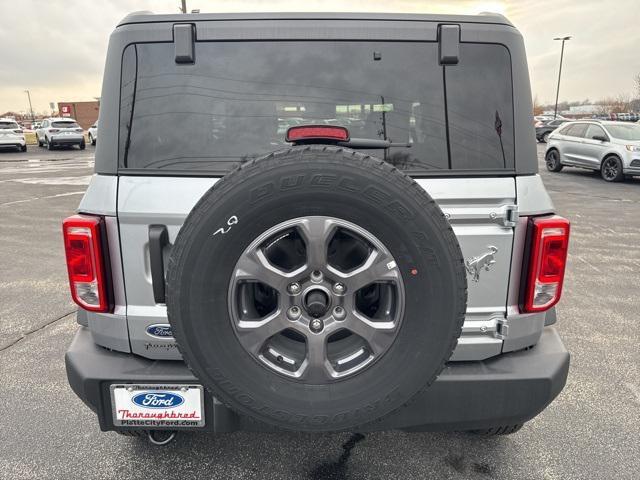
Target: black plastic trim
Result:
[[449, 44], [158, 239], [183, 39]]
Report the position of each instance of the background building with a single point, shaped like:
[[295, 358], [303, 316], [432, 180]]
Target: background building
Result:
[[85, 113]]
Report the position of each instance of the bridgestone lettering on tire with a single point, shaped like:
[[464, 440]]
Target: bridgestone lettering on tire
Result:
[[316, 332]]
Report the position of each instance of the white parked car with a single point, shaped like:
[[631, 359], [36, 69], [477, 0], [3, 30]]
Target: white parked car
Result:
[[56, 132], [11, 134], [93, 133]]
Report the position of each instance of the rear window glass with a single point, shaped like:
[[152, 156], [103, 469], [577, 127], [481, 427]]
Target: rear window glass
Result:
[[64, 124], [239, 98], [8, 125], [575, 130], [480, 107]]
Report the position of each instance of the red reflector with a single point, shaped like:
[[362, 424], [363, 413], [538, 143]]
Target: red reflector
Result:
[[548, 258], [317, 132], [85, 261], [79, 260]]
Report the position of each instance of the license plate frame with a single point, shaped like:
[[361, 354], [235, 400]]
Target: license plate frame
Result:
[[188, 413]]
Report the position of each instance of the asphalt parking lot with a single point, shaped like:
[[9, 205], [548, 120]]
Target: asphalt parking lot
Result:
[[590, 431]]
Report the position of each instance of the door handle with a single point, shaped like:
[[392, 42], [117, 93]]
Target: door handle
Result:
[[158, 239]]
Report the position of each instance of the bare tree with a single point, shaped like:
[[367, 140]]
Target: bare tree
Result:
[[604, 106], [636, 80], [537, 108], [623, 102]]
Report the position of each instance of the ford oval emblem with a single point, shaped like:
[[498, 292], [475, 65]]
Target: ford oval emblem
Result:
[[158, 400], [160, 330]]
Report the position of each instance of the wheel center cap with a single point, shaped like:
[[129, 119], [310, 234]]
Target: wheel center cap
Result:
[[316, 302]]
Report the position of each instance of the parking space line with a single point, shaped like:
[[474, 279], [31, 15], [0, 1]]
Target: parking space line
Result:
[[42, 198], [592, 266]]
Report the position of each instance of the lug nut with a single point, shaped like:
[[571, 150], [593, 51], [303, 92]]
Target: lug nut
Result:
[[339, 313], [293, 313], [293, 288], [316, 325], [339, 288]]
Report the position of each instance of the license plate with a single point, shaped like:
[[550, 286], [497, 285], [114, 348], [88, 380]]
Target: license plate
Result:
[[157, 406]]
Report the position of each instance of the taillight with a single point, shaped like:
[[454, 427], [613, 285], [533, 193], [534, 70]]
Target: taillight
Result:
[[17, 131], [302, 133], [548, 245], [53, 130], [79, 130], [84, 247]]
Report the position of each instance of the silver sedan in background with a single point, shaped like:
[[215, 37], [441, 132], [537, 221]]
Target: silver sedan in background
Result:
[[611, 148]]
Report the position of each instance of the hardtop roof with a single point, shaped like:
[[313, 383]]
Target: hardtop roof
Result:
[[150, 17]]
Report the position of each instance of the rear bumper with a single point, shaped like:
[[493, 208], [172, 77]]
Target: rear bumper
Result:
[[508, 389], [12, 142], [67, 140]]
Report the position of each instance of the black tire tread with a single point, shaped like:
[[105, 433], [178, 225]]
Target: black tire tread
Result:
[[496, 431]]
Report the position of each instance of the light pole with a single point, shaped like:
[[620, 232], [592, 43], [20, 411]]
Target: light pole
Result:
[[30, 107], [564, 39]]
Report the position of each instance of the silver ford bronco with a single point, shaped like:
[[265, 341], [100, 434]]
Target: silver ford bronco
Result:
[[316, 222]]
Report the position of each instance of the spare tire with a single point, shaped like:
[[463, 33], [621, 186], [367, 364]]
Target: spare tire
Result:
[[316, 289]]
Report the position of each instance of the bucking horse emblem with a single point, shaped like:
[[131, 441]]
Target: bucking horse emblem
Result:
[[482, 262]]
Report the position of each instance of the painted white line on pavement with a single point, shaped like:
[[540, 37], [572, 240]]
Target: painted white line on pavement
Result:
[[41, 198], [41, 167], [83, 180]]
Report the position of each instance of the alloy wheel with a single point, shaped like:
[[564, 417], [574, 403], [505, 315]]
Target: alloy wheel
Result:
[[610, 169], [316, 299]]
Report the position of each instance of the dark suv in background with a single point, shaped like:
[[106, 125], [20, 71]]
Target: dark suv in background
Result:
[[544, 130]]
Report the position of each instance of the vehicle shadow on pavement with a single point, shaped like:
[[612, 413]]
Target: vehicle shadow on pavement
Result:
[[576, 173], [341, 456]]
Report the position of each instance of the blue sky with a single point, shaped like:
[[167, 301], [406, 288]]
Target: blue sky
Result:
[[56, 48]]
